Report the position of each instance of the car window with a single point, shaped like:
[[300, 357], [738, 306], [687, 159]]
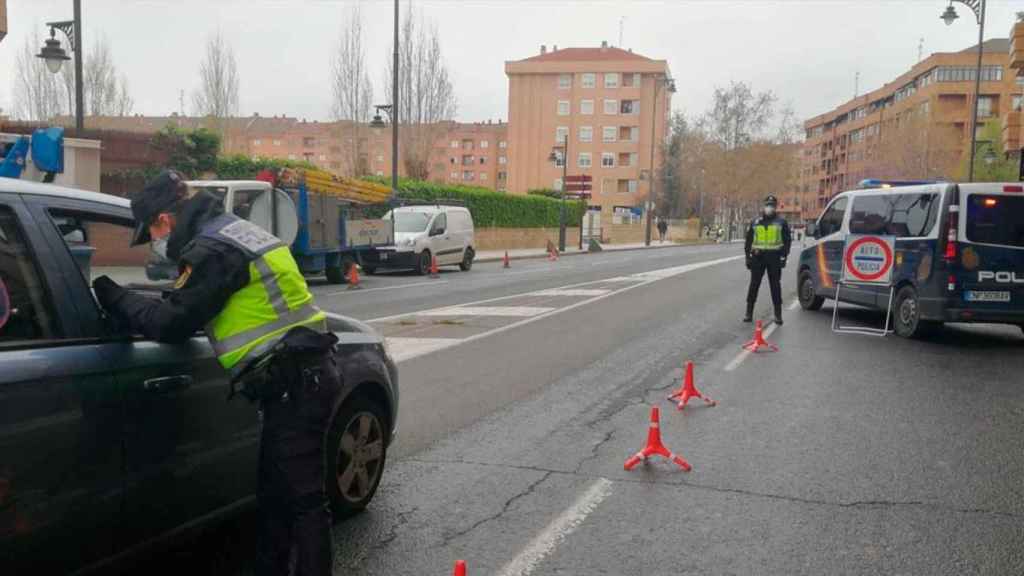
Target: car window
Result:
[[900, 215], [28, 311], [409, 222], [101, 246], [244, 200], [440, 222], [832, 220]]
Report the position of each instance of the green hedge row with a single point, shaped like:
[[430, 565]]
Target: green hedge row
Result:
[[490, 208], [241, 167]]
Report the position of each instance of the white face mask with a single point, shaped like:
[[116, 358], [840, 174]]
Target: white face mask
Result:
[[159, 247], [769, 211]]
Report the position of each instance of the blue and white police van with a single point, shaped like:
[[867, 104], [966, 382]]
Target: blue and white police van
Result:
[[959, 252]]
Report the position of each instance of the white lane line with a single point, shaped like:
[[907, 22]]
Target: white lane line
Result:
[[487, 311], [743, 355], [571, 292], [364, 291], [407, 348], [548, 539]]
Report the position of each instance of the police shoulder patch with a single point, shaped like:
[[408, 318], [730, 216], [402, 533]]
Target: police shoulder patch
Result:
[[249, 235], [183, 278]]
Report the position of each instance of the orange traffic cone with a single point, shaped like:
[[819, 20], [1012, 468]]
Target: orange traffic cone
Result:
[[460, 568], [506, 263], [689, 390], [654, 446], [434, 273], [353, 277], [759, 343]]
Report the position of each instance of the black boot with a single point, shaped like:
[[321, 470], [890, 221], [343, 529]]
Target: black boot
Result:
[[778, 315], [749, 317]]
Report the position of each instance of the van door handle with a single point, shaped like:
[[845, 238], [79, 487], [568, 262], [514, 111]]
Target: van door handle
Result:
[[167, 383]]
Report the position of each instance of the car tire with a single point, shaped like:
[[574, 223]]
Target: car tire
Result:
[[423, 263], [467, 260], [356, 451], [370, 270], [906, 315], [809, 300], [335, 274]]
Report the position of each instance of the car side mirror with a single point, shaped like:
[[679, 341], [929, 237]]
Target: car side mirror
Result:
[[812, 229]]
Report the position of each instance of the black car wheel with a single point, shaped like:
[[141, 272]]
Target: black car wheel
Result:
[[907, 315], [423, 263], [371, 270], [467, 260], [809, 300], [356, 451]]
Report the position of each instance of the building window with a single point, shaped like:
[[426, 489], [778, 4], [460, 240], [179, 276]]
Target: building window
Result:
[[484, 144], [467, 160], [630, 107], [467, 144], [257, 142], [608, 159], [564, 81], [588, 80], [985, 106], [380, 157], [559, 158], [586, 134], [632, 186], [467, 175], [323, 157], [455, 143], [631, 80], [609, 133], [291, 156], [611, 106], [584, 160], [380, 172], [563, 107], [454, 175], [557, 185], [502, 144], [561, 133], [483, 175], [634, 133], [502, 160], [277, 142], [483, 160], [611, 80], [1018, 101], [309, 142], [586, 107]]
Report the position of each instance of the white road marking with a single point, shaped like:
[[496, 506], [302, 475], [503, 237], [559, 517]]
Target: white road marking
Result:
[[365, 290], [548, 539], [571, 292], [743, 355], [407, 348], [487, 311]]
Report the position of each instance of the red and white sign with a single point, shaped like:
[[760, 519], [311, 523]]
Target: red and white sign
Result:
[[868, 259]]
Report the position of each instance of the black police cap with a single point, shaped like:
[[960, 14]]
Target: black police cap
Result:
[[771, 201], [159, 196]]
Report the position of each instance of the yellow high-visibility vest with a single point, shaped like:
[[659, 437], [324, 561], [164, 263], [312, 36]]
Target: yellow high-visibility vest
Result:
[[767, 237]]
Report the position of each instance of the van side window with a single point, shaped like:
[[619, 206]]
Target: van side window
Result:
[[832, 220], [440, 223], [899, 215], [26, 313]]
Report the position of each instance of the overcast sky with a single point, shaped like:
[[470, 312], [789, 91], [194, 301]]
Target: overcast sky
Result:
[[807, 52]]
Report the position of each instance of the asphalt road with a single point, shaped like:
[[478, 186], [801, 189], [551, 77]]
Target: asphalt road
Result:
[[525, 390]]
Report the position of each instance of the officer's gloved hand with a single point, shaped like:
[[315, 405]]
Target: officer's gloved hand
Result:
[[782, 261], [107, 292], [749, 262]]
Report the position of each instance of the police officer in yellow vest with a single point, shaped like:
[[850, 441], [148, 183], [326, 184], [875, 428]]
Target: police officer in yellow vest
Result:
[[767, 247], [242, 285]]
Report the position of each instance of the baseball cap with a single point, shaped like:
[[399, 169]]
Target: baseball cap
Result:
[[159, 196]]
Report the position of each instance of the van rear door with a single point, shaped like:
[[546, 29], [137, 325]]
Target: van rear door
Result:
[[992, 255]]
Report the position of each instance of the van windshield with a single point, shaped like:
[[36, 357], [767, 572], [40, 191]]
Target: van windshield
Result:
[[995, 220], [410, 222]]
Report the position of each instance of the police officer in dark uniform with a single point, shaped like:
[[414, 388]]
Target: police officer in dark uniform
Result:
[[242, 285], [767, 247]]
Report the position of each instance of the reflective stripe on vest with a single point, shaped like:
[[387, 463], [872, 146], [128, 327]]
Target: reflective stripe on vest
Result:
[[275, 300], [768, 237]]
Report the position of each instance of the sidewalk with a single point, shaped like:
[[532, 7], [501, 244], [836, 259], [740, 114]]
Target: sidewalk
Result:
[[522, 254]]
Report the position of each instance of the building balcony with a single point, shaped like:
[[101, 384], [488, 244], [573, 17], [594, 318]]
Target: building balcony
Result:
[[1011, 131], [1017, 47]]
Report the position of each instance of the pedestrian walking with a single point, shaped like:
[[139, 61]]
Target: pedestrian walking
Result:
[[242, 284], [767, 247], [662, 229]]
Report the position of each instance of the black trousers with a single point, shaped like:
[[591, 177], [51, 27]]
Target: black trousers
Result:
[[759, 264], [294, 510]]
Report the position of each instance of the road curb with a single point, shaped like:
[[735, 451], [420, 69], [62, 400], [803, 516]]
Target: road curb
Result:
[[584, 252]]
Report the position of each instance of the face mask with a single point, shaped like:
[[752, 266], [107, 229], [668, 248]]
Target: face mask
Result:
[[769, 211], [159, 247]]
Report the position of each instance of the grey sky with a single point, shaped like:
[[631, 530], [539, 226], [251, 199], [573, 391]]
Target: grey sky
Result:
[[807, 52]]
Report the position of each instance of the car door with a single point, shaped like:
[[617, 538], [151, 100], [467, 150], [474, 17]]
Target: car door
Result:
[[61, 426], [829, 255], [441, 239], [189, 452]]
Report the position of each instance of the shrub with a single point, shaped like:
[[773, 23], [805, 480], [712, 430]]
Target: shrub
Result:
[[242, 167]]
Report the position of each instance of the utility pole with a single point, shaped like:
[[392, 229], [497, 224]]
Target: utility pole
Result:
[[394, 110]]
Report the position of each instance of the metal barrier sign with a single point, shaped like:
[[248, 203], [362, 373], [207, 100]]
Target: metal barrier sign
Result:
[[867, 261]]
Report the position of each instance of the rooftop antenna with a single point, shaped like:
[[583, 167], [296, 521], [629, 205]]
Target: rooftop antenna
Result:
[[856, 84], [622, 19], [920, 49], [181, 102]]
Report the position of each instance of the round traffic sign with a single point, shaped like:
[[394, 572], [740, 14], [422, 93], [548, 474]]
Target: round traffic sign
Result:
[[869, 258]]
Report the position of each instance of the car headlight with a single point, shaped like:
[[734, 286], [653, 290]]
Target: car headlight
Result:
[[409, 242]]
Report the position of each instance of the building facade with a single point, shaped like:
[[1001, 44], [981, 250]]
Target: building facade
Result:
[[609, 106], [915, 127]]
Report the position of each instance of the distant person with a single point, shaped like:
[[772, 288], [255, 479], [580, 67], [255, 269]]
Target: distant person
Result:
[[767, 247], [662, 229]]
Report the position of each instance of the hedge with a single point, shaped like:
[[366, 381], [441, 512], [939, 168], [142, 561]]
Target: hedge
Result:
[[490, 208], [241, 167]]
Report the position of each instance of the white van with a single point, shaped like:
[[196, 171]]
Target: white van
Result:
[[423, 233]]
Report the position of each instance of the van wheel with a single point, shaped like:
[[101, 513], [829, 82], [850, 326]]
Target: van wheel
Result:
[[356, 450], [467, 260], [335, 274], [809, 300], [907, 315], [423, 263]]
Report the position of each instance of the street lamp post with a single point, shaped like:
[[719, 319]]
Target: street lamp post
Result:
[[392, 111], [671, 86], [564, 151], [949, 16], [55, 56]]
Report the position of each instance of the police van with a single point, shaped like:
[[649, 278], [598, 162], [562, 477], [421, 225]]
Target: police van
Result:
[[959, 253]]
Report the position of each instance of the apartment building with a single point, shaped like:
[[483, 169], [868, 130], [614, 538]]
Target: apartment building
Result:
[[1012, 120], [936, 97], [608, 106], [3, 19]]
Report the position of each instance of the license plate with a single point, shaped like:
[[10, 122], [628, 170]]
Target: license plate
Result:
[[987, 296]]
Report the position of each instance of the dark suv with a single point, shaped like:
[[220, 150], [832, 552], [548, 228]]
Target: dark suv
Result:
[[112, 443]]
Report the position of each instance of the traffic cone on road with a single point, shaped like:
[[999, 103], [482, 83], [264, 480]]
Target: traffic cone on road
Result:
[[759, 343], [460, 568], [689, 390], [353, 277], [434, 272], [654, 446], [505, 262]]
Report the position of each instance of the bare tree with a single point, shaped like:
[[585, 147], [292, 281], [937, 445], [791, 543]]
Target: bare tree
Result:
[[913, 147], [352, 90], [38, 94], [217, 95], [106, 91], [426, 94]]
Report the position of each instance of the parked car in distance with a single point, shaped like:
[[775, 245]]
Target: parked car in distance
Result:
[[423, 233], [111, 443]]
